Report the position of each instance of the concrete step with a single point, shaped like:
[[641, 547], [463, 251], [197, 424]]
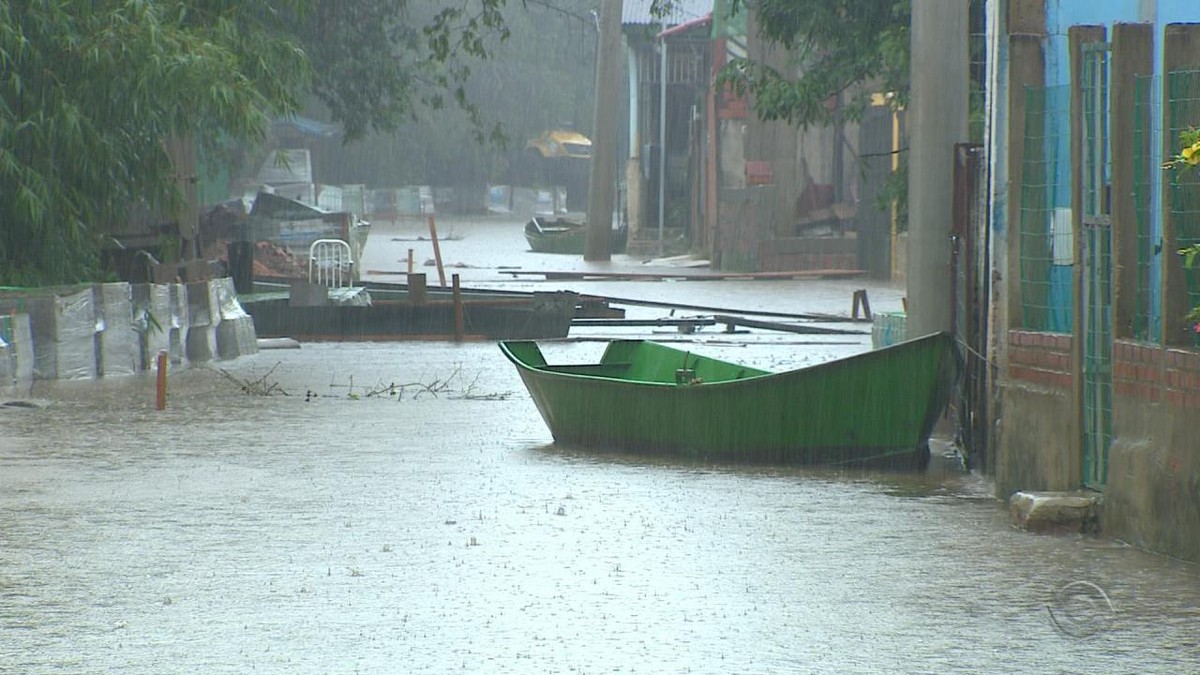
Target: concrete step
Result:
[[1056, 512]]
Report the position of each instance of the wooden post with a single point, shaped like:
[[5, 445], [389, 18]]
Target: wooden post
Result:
[[861, 301], [459, 320], [1132, 57], [1027, 68], [160, 398], [410, 261], [416, 289], [437, 251]]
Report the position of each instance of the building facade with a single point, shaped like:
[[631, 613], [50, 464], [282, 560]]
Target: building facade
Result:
[[1097, 369]]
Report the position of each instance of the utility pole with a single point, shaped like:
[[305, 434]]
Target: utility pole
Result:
[[938, 112], [598, 244]]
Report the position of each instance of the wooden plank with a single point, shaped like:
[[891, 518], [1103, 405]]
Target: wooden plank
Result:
[[684, 323], [829, 318], [685, 276], [733, 321]]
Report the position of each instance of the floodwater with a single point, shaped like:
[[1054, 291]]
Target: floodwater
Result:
[[400, 508]]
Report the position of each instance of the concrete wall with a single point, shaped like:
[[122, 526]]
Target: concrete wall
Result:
[[1034, 448], [745, 216], [1152, 499], [1152, 493], [791, 161]]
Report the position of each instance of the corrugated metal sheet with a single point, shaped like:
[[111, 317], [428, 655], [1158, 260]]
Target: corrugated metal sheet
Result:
[[637, 12]]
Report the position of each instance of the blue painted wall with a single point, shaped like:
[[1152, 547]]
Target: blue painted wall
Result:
[[1061, 15]]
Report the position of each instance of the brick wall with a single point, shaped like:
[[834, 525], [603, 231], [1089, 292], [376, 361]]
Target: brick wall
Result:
[[1040, 358], [1153, 373], [808, 253]]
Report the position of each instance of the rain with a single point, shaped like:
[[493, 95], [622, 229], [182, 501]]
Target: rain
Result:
[[352, 500]]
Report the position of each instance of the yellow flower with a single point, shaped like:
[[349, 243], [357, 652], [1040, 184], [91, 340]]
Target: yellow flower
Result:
[[1191, 154]]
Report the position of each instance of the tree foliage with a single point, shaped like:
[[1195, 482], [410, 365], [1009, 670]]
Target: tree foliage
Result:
[[91, 91], [834, 45], [378, 62]]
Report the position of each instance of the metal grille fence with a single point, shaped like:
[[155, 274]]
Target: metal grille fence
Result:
[[1096, 261], [1146, 176], [1045, 239], [1183, 112]]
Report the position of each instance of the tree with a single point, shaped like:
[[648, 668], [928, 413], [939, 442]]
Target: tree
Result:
[[377, 62], [836, 45], [91, 90], [89, 93]]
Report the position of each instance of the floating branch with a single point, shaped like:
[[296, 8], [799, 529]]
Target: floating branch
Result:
[[262, 386]]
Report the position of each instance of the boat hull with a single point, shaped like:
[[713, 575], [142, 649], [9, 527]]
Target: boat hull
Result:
[[542, 316], [566, 237], [876, 406]]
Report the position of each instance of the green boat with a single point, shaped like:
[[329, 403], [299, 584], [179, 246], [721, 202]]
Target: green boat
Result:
[[875, 408], [563, 235]]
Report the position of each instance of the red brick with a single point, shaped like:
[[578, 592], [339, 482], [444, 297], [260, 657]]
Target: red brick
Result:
[[1176, 398], [1064, 363], [1192, 361], [1190, 381], [1021, 373], [1176, 358], [1021, 355]]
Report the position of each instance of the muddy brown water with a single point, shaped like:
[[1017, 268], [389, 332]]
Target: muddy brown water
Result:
[[432, 526], [362, 532]]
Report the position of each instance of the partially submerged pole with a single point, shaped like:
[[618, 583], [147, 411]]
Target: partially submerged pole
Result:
[[459, 320], [598, 242], [437, 252], [160, 397]]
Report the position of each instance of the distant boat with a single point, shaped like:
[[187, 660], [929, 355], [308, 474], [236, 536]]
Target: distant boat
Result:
[[878, 407], [563, 235]]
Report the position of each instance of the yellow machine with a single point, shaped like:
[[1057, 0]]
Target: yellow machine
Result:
[[559, 157]]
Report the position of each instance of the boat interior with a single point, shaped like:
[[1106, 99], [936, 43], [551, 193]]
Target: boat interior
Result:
[[640, 361]]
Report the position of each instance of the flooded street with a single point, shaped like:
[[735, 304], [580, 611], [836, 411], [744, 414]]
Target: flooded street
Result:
[[400, 508]]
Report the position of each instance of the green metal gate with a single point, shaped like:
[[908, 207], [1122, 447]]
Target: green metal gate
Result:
[[1096, 258]]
